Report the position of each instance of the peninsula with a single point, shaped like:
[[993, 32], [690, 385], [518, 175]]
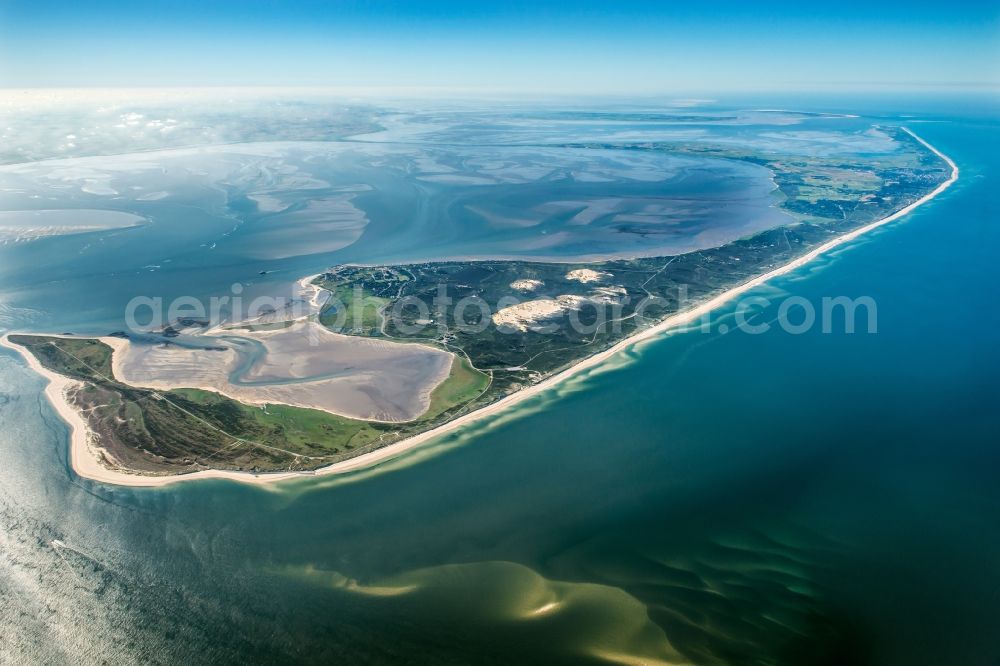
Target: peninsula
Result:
[[394, 367]]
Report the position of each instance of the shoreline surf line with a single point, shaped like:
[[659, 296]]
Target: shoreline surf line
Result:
[[84, 452]]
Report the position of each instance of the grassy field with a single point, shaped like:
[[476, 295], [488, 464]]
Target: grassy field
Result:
[[353, 308], [304, 431], [79, 359], [464, 384]]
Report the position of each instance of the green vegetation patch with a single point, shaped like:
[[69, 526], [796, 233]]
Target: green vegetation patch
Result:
[[353, 308], [463, 384]]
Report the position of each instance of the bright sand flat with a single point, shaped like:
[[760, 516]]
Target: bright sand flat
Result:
[[85, 454], [303, 365], [24, 225]]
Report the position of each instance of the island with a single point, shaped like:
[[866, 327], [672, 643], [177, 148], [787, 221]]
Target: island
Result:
[[402, 353]]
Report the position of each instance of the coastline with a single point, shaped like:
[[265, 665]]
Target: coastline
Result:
[[84, 454]]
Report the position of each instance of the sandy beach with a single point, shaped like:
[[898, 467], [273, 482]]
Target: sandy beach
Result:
[[86, 455]]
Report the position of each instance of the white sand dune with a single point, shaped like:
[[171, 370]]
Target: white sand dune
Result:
[[587, 275], [532, 314], [527, 285]]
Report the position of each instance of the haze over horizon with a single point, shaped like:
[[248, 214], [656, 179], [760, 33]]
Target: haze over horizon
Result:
[[543, 47]]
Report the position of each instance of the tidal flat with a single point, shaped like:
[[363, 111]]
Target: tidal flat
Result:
[[573, 245], [301, 365]]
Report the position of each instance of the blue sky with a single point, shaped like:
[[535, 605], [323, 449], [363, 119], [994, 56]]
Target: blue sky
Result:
[[559, 47]]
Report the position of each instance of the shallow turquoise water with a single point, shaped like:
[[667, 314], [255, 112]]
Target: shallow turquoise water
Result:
[[729, 498], [327, 203]]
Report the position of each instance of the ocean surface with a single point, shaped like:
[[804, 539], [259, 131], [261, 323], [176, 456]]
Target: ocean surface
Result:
[[709, 497]]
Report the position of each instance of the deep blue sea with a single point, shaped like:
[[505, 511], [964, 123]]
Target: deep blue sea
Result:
[[708, 497]]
